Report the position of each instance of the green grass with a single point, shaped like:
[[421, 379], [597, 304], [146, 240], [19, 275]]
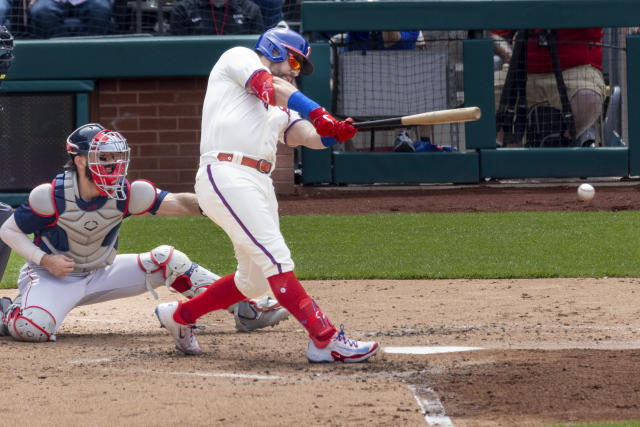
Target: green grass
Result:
[[416, 246]]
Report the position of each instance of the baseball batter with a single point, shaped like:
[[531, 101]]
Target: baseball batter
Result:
[[73, 258], [250, 106]]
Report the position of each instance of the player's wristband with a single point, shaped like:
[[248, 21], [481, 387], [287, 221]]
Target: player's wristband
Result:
[[299, 102], [328, 141]]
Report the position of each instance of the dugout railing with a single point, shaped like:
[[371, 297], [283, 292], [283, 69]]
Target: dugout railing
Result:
[[483, 158]]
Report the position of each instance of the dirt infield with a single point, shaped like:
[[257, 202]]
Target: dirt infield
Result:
[[546, 351]]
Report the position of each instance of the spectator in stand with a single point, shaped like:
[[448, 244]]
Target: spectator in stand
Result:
[[5, 10], [47, 17], [271, 12], [580, 58], [382, 40], [198, 17]]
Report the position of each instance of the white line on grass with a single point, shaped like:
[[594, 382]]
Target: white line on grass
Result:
[[431, 408]]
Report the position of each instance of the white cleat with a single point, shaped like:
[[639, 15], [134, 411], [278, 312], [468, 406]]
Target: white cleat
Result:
[[183, 336], [256, 314], [342, 349]]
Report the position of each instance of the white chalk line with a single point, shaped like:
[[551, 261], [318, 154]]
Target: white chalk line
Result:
[[218, 375], [427, 349], [82, 361], [431, 407]]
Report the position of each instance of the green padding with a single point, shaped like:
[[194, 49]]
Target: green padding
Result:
[[467, 14], [393, 168], [633, 101], [553, 162], [478, 65], [48, 86], [13, 199], [120, 57], [316, 164]]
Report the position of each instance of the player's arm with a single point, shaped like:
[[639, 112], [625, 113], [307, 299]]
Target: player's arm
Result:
[[145, 198], [302, 133], [37, 214], [277, 91], [14, 237], [179, 204]]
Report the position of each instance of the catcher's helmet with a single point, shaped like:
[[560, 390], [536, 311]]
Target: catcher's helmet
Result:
[[276, 43], [108, 157]]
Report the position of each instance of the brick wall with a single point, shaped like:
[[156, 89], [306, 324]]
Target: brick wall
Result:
[[161, 120]]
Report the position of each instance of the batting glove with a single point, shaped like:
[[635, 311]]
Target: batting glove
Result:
[[327, 126]]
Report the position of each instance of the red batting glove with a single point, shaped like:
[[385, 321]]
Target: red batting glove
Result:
[[344, 130], [324, 122]]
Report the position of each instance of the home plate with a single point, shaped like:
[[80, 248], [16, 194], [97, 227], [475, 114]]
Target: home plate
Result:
[[427, 350]]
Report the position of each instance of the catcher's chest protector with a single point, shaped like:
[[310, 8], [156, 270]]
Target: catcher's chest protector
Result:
[[89, 236], [5, 212]]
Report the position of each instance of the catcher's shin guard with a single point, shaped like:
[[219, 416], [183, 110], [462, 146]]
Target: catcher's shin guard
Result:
[[32, 324], [180, 273]]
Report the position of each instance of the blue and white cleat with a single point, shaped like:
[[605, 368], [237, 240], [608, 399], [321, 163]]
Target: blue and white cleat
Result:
[[183, 336], [342, 349]]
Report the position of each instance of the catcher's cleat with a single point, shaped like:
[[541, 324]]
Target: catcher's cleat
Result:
[[342, 349], [5, 303], [182, 334], [256, 314]]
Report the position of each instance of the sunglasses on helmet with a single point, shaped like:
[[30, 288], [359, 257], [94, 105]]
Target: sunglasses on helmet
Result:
[[294, 62]]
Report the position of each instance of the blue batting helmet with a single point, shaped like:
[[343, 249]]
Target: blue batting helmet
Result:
[[276, 43]]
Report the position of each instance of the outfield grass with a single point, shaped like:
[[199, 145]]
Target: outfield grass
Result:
[[416, 246]]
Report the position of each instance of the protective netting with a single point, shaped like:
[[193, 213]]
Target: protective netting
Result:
[[423, 72], [72, 18]]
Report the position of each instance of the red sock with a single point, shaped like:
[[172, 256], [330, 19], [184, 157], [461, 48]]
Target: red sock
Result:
[[292, 296], [221, 294]]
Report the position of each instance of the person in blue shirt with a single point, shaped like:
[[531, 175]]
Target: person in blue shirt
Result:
[[382, 40]]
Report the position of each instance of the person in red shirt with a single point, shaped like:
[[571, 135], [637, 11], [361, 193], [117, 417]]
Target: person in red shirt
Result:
[[580, 57]]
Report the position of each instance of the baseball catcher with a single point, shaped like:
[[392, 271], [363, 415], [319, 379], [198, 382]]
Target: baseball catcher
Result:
[[73, 259]]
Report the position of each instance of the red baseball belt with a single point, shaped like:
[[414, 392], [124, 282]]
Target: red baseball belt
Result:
[[261, 165]]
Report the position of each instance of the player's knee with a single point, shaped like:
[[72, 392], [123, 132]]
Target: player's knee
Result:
[[32, 324], [180, 273]]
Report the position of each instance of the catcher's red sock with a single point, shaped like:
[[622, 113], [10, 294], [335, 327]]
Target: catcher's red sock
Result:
[[221, 294], [292, 296]]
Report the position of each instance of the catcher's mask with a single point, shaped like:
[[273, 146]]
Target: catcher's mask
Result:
[[108, 160]]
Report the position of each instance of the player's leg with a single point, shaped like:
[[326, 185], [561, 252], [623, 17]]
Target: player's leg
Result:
[[249, 216], [43, 303], [256, 313]]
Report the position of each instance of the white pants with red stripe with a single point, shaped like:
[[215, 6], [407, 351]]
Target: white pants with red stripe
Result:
[[242, 201], [58, 296]]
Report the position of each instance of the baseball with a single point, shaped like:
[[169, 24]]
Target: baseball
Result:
[[586, 192]]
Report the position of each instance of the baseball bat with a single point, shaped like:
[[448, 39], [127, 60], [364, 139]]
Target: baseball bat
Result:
[[455, 115]]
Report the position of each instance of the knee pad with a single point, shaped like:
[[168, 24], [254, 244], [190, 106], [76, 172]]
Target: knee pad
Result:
[[33, 324], [180, 273]]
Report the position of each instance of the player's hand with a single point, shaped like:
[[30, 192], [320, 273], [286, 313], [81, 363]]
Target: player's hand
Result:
[[324, 122], [58, 265], [327, 125], [345, 130]]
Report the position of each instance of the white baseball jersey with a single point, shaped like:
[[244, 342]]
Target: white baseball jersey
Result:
[[233, 119], [240, 199]]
